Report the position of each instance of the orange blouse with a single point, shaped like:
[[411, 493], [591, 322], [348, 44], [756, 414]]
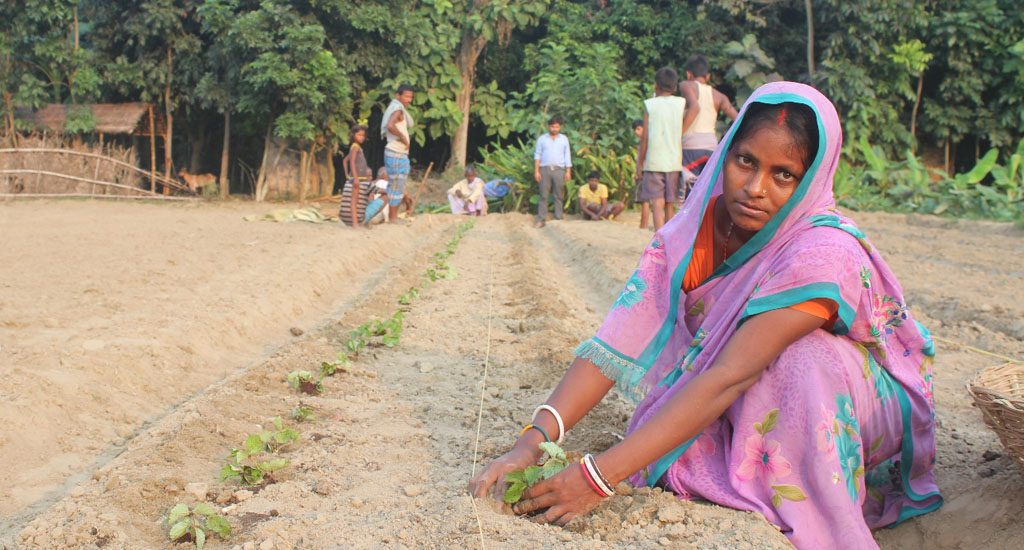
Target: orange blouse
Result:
[[702, 264]]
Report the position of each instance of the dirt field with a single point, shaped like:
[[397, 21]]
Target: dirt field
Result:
[[140, 342]]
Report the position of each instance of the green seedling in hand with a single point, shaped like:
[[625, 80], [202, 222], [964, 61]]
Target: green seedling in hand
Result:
[[185, 524], [303, 381], [303, 413], [520, 480]]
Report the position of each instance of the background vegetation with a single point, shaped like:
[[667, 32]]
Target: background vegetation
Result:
[[926, 88]]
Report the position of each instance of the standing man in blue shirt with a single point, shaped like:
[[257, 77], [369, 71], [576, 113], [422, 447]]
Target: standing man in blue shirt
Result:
[[552, 167]]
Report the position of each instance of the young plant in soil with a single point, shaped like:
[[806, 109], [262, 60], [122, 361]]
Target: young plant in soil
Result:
[[520, 480], [303, 381], [248, 469], [357, 340], [393, 329], [329, 368], [192, 525], [303, 413], [408, 297], [271, 441]]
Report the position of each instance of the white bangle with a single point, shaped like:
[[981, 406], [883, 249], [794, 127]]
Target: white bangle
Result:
[[591, 465], [558, 419]]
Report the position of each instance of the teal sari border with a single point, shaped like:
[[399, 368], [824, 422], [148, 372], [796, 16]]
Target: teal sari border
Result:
[[907, 463], [799, 295], [616, 366], [664, 463]]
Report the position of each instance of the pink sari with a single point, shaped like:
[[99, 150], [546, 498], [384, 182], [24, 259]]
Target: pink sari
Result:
[[838, 435]]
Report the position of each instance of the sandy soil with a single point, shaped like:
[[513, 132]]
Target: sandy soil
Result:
[[99, 459]]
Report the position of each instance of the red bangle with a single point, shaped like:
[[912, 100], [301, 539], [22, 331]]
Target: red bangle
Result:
[[593, 485]]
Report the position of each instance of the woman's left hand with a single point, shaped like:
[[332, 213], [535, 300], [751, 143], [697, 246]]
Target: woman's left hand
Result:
[[565, 496]]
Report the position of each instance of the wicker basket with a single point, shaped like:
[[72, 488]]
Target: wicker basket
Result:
[[999, 393]]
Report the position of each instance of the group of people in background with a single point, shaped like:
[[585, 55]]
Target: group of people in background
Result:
[[675, 139], [365, 201]]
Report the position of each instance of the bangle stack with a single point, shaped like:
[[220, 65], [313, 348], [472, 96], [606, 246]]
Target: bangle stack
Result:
[[558, 420], [529, 427], [594, 477]]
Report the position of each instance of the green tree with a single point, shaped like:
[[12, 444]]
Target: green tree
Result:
[[286, 76], [912, 57]]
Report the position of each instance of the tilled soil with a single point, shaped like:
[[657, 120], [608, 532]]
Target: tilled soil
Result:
[[387, 461]]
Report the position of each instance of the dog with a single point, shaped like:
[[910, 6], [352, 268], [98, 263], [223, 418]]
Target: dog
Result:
[[195, 182]]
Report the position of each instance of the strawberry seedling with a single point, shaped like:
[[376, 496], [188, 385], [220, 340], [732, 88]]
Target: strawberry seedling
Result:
[[520, 480], [192, 525], [303, 381]]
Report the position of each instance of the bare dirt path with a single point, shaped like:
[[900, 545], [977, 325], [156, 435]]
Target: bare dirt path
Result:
[[387, 461]]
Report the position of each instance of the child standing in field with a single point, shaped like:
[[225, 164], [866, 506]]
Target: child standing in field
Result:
[[645, 207], [660, 159], [353, 200]]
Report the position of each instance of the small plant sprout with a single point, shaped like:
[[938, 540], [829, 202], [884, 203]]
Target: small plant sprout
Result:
[[520, 480], [249, 464], [192, 525], [329, 368], [357, 340], [408, 297], [393, 330], [303, 381], [303, 413], [271, 441]]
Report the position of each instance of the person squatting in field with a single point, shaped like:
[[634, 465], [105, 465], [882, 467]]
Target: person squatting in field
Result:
[[768, 345], [467, 195], [594, 203], [395, 128]]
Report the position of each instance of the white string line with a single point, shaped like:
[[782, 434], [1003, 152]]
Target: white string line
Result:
[[483, 389]]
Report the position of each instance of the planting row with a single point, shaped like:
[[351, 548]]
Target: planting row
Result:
[[259, 458]]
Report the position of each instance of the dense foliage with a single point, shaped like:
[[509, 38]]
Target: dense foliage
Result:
[[943, 80]]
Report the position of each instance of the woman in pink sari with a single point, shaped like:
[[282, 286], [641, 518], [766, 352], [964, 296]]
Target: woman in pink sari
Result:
[[769, 347]]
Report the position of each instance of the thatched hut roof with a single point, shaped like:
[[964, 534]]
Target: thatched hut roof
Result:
[[111, 118]]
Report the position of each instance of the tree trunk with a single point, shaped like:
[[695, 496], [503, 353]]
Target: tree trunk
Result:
[[224, 181], [152, 150], [261, 178], [469, 52], [9, 122], [169, 136], [946, 166], [197, 142], [809, 8], [917, 105], [303, 175], [331, 174]]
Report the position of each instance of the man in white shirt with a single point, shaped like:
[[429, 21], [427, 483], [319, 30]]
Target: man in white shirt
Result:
[[552, 167]]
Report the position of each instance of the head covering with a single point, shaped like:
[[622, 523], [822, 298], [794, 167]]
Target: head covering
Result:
[[807, 250]]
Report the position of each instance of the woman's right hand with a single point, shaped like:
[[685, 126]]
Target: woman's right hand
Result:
[[491, 480]]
